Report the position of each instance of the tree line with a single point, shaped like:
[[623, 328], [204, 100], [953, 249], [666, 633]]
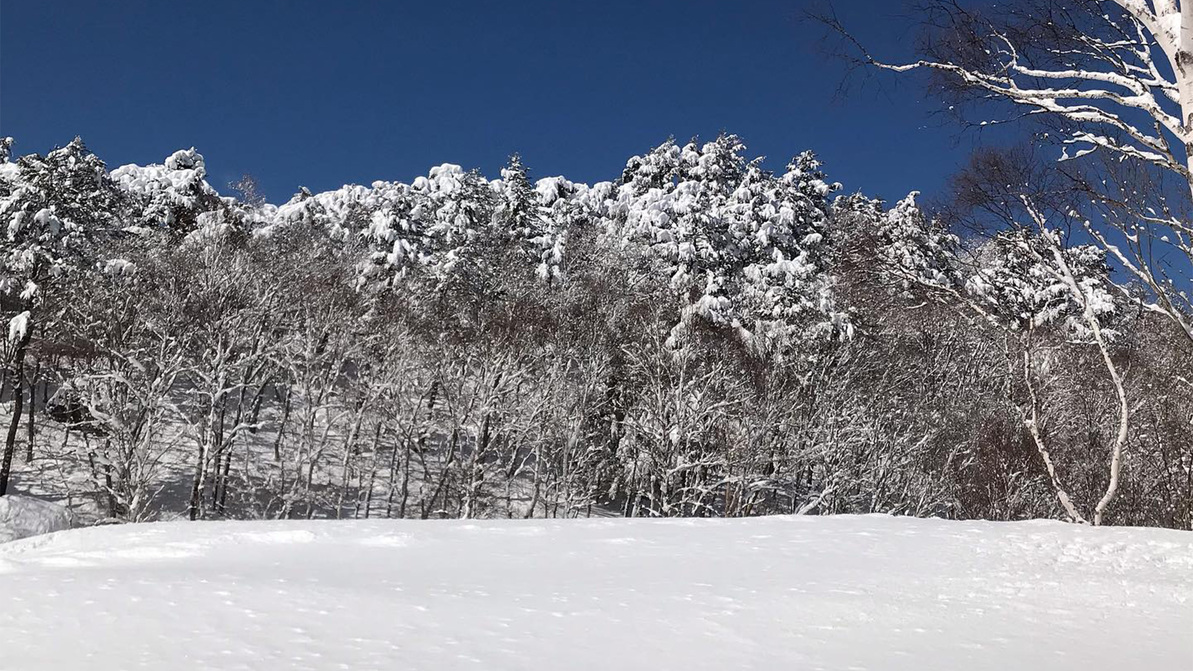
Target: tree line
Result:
[[700, 336]]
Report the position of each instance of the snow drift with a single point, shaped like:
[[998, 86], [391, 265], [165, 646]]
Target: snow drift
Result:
[[796, 593], [21, 517]]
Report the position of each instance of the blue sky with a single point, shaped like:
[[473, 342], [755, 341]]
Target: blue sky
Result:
[[324, 93]]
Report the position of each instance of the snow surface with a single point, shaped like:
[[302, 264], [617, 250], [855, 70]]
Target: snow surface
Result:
[[868, 592], [21, 517]]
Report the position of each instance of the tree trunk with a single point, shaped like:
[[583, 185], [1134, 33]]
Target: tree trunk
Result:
[[476, 470], [393, 470], [345, 465], [373, 471], [113, 505], [1031, 421], [32, 408], [1124, 417], [1182, 67], [10, 442], [197, 483]]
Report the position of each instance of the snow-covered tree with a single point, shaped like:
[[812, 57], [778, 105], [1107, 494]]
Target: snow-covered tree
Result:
[[916, 250], [172, 195], [1021, 282], [528, 218], [742, 247], [55, 208]]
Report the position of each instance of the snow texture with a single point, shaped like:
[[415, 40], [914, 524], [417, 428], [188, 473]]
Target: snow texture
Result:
[[869, 592], [22, 517]]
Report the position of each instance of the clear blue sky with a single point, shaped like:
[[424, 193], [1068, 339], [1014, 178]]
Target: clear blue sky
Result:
[[324, 93]]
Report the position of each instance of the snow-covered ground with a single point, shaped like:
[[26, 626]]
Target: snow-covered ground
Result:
[[867, 592]]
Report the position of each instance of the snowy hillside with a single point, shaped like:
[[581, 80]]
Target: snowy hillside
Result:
[[795, 593]]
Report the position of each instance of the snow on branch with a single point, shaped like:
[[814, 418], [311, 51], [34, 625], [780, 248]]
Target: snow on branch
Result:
[[1108, 81]]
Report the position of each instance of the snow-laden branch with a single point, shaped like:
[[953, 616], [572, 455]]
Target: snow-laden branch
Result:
[[1112, 87]]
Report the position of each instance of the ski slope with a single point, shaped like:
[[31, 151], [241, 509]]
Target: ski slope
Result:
[[837, 593]]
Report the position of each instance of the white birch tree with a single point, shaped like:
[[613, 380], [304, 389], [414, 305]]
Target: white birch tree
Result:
[[1113, 77]]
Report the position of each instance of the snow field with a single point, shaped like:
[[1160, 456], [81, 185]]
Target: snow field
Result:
[[869, 592]]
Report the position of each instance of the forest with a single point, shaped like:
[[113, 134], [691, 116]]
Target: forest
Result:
[[698, 336]]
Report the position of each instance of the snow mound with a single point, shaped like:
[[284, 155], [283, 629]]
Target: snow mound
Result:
[[866, 592], [21, 517]]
